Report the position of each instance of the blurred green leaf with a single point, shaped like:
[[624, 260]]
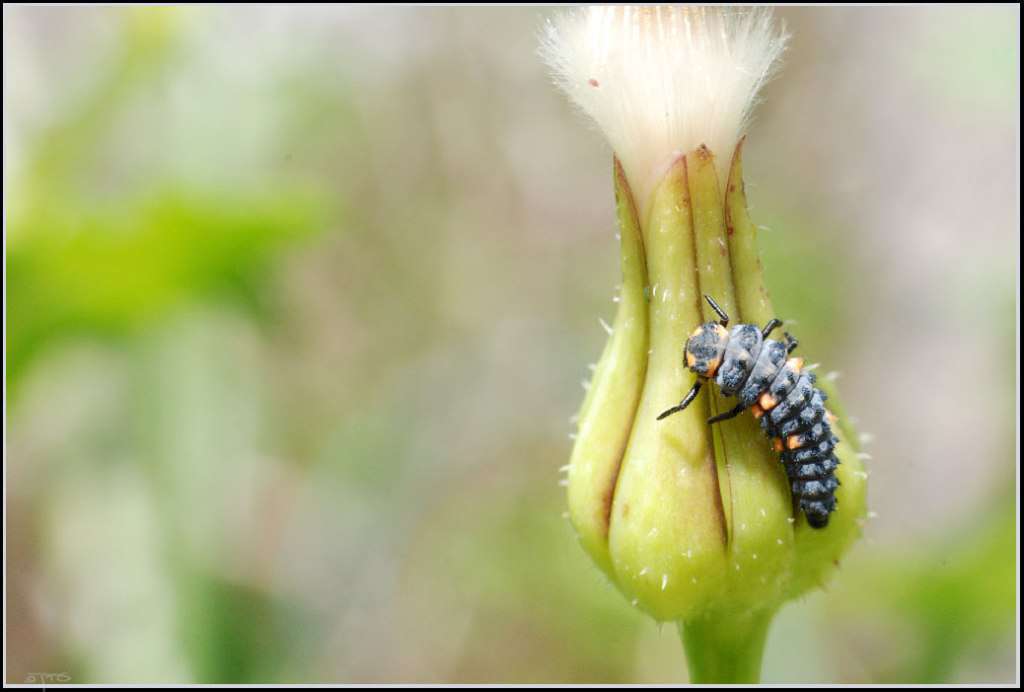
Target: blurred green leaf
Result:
[[947, 599], [85, 263], [237, 634], [106, 272]]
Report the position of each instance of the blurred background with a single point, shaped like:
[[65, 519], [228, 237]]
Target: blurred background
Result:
[[299, 301]]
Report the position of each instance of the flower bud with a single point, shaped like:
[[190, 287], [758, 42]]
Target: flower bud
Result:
[[693, 523]]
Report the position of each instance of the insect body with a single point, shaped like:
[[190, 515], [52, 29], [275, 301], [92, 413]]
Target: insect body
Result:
[[758, 371]]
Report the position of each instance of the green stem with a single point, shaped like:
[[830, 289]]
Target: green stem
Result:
[[726, 649]]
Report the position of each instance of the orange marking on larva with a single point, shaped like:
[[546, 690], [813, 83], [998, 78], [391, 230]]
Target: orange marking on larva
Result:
[[696, 332], [690, 360], [713, 366], [795, 364], [722, 332], [832, 418], [777, 444], [794, 441], [757, 411], [767, 402]]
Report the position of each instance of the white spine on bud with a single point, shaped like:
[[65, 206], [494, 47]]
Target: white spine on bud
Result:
[[661, 81]]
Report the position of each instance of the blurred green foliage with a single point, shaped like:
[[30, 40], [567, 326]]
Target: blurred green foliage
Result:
[[83, 262], [951, 599], [107, 272]]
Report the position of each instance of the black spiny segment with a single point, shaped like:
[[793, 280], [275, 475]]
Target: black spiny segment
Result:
[[723, 318], [797, 398], [811, 453], [817, 511], [690, 396], [784, 382], [810, 414], [803, 421]]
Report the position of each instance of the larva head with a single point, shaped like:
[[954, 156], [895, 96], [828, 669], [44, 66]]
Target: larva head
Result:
[[705, 349]]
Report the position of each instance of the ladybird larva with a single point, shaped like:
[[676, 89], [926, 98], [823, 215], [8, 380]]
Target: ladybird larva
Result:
[[760, 373]]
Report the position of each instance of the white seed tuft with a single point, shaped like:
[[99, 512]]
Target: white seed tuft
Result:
[[661, 81]]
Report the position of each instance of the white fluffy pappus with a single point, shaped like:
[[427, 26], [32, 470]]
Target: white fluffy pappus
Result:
[[661, 81]]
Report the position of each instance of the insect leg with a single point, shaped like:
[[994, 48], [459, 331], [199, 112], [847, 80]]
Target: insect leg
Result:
[[690, 396], [770, 327], [732, 413], [791, 343], [721, 313]]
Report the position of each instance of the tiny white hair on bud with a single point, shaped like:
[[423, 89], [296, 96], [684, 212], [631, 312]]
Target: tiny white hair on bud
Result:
[[659, 81]]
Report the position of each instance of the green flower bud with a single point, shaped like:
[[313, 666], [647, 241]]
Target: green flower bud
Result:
[[693, 523]]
